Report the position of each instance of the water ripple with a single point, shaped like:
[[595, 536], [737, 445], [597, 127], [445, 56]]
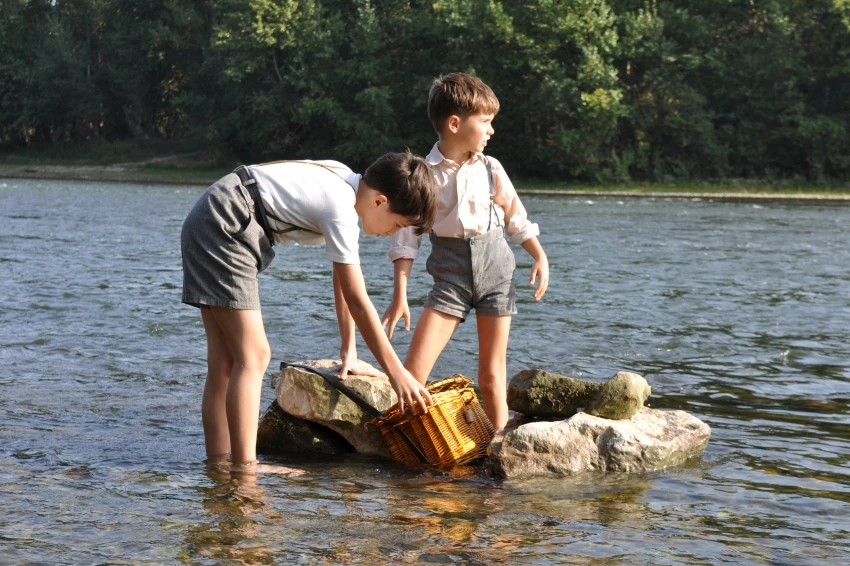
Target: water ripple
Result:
[[739, 314]]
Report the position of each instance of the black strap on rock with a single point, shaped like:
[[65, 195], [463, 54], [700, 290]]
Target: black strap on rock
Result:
[[336, 382]]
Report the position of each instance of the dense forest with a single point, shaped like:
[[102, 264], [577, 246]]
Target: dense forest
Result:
[[593, 90]]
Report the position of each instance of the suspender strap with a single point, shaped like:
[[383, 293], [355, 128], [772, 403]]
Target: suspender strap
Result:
[[259, 211], [490, 177], [492, 194]]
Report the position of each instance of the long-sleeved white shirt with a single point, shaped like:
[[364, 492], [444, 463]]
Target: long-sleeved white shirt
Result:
[[464, 209]]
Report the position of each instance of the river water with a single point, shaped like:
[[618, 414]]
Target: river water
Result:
[[736, 311]]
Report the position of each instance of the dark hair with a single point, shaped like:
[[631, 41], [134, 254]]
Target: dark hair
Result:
[[461, 95], [409, 186]]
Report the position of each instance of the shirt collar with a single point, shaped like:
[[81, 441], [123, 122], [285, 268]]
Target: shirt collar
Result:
[[353, 179], [436, 157]]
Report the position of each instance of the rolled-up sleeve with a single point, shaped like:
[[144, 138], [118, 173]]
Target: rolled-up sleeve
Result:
[[405, 244], [517, 224]]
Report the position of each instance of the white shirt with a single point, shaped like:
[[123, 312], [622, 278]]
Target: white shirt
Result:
[[464, 209], [315, 196]]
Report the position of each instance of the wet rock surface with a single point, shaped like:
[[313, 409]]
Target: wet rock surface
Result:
[[649, 440]]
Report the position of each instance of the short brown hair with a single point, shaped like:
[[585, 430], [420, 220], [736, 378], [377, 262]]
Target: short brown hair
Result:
[[461, 95], [407, 182]]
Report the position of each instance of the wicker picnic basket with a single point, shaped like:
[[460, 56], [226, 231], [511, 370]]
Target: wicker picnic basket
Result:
[[455, 429]]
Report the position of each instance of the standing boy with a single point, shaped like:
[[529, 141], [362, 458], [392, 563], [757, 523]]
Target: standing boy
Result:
[[471, 262], [227, 241]]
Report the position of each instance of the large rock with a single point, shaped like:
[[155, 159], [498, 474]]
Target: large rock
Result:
[[280, 433], [538, 393], [308, 396], [650, 440]]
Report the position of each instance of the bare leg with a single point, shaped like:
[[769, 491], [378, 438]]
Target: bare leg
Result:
[[213, 413], [242, 344], [493, 332], [430, 336]]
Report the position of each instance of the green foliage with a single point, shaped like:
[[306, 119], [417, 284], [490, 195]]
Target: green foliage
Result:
[[590, 90]]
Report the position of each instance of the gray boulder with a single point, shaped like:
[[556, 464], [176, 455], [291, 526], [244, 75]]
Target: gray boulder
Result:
[[308, 396], [648, 441], [538, 393]]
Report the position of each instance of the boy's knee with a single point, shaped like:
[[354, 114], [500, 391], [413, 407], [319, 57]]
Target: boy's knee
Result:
[[263, 354], [257, 357], [491, 381]]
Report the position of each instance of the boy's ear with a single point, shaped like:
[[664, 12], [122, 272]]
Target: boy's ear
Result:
[[379, 199], [453, 123]]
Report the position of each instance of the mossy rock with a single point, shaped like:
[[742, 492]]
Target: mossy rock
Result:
[[538, 393]]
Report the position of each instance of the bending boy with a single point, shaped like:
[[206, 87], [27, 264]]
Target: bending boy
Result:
[[471, 262], [227, 241]]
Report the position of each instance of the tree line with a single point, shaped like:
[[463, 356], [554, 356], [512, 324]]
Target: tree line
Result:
[[594, 90]]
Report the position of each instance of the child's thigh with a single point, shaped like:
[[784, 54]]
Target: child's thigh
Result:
[[493, 334], [433, 331], [244, 333]]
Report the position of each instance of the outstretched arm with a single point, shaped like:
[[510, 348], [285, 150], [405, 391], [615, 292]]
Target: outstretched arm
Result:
[[399, 307], [540, 268], [348, 345], [353, 291]]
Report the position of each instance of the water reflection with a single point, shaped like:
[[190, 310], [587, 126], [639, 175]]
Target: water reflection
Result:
[[237, 508]]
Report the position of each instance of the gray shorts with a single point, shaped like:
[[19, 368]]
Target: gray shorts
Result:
[[472, 273], [224, 249]]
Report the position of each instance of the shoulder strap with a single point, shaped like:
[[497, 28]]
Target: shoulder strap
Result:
[[490, 177], [492, 195]]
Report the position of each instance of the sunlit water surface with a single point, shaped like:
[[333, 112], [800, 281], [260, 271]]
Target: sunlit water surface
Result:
[[734, 311]]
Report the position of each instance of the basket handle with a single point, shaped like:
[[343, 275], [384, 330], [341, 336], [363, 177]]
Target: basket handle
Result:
[[336, 382]]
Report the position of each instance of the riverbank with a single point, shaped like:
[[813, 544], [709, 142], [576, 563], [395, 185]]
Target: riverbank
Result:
[[129, 162], [149, 164]]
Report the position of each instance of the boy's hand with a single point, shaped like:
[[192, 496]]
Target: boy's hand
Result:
[[395, 312], [358, 367], [540, 268], [350, 363], [408, 391], [348, 357]]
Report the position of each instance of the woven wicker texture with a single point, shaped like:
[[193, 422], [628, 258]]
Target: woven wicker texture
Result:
[[455, 430]]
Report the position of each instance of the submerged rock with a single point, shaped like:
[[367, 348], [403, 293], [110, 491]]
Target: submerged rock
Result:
[[280, 433], [538, 393], [650, 440], [308, 396]]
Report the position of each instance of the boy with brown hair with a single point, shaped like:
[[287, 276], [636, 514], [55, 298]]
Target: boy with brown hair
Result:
[[227, 241], [471, 262]]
